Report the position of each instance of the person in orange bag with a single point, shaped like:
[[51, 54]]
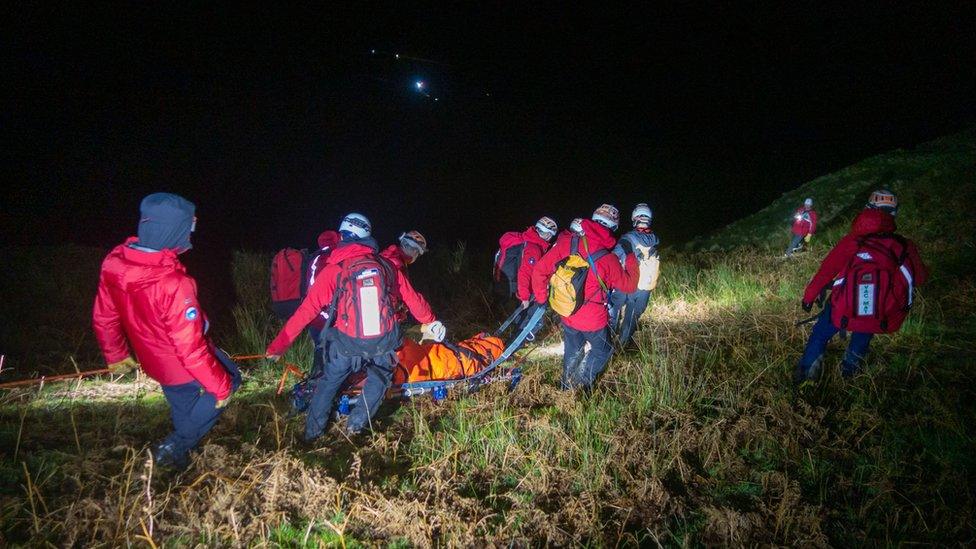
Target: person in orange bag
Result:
[[147, 301]]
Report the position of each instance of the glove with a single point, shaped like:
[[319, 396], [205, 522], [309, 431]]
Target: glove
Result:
[[434, 331], [525, 304], [221, 403], [123, 366], [272, 358], [807, 238], [807, 306]]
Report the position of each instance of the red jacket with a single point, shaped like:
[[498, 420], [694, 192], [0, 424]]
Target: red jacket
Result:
[[149, 299], [869, 221], [394, 255], [532, 252], [806, 223], [320, 296], [592, 315], [314, 270]]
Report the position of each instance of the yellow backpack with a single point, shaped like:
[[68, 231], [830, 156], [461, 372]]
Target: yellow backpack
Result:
[[567, 285]]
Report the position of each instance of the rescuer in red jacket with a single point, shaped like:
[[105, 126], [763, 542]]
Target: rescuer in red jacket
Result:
[[872, 273], [590, 322], [146, 301], [410, 246], [804, 225], [344, 356]]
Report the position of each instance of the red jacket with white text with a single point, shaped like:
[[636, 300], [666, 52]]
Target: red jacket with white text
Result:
[[592, 315], [148, 299], [868, 222]]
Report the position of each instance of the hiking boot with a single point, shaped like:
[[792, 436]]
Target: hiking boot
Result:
[[166, 454]]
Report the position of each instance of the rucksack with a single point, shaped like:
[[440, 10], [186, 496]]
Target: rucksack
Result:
[[288, 280], [874, 291], [567, 286], [365, 319], [509, 257], [648, 261]]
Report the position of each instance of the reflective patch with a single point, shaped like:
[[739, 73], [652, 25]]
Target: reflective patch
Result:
[[531, 261], [191, 313]]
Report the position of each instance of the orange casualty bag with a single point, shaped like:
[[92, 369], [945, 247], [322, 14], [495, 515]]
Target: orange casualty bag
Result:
[[435, 361]]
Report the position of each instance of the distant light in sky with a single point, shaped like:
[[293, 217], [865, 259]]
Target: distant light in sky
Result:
[[372, 51], [396, 55]]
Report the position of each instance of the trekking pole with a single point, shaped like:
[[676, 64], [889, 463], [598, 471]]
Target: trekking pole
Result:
[[62, 377]]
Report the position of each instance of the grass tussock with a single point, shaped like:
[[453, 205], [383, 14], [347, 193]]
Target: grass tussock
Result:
[[694, 436]]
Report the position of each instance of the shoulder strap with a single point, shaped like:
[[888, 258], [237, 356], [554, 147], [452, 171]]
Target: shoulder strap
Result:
[[574, 245]]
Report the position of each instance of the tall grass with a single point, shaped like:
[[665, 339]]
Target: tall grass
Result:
[[694, 436]]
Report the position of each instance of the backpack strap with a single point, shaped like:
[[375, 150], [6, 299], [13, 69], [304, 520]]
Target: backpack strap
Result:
[[592, 259]]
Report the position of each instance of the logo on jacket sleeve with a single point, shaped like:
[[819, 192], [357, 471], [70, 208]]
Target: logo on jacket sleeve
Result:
[[191, 313]]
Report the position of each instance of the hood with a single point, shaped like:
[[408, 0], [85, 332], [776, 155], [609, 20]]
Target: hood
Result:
[[352, 248], [328, 239], [872, 221], [127, 268], [165, 222], [597, 236], [531, 235], [394, 255]]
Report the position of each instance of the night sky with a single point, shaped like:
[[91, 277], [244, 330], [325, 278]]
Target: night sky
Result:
[[277, 123]]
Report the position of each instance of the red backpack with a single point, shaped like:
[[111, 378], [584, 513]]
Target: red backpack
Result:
[[288, 281], [365, 320], [508, 257], [874, 292]]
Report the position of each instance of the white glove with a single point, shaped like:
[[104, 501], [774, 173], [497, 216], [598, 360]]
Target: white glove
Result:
[[435, 331]]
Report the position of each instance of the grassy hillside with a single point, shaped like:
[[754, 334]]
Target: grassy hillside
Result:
[[696, 436]]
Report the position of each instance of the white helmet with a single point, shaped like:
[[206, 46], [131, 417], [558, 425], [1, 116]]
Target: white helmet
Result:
[[608, 216], [576, 227], [808, 202], [355, 225], [642, 215], [546, 228]]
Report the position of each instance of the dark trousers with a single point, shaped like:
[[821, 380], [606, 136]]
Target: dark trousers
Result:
[[318, 353], [626, 309], [581, 369], [822, 333], [379, 373], [193, 412], [795, 243]]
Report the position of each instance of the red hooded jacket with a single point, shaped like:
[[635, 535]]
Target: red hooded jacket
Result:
[[149, 299], [395, 256], [328, 240], [320, 296], [532, 252], [806, 223], [592, 315], [869, 221]]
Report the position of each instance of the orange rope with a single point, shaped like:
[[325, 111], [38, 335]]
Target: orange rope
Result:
[[246, 357], [42, 379]]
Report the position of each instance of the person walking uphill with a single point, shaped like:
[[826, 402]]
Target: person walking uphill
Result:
[[145, 299], [872, 272], [804, 225], [574, 277], [627, 308], [360, 287]]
